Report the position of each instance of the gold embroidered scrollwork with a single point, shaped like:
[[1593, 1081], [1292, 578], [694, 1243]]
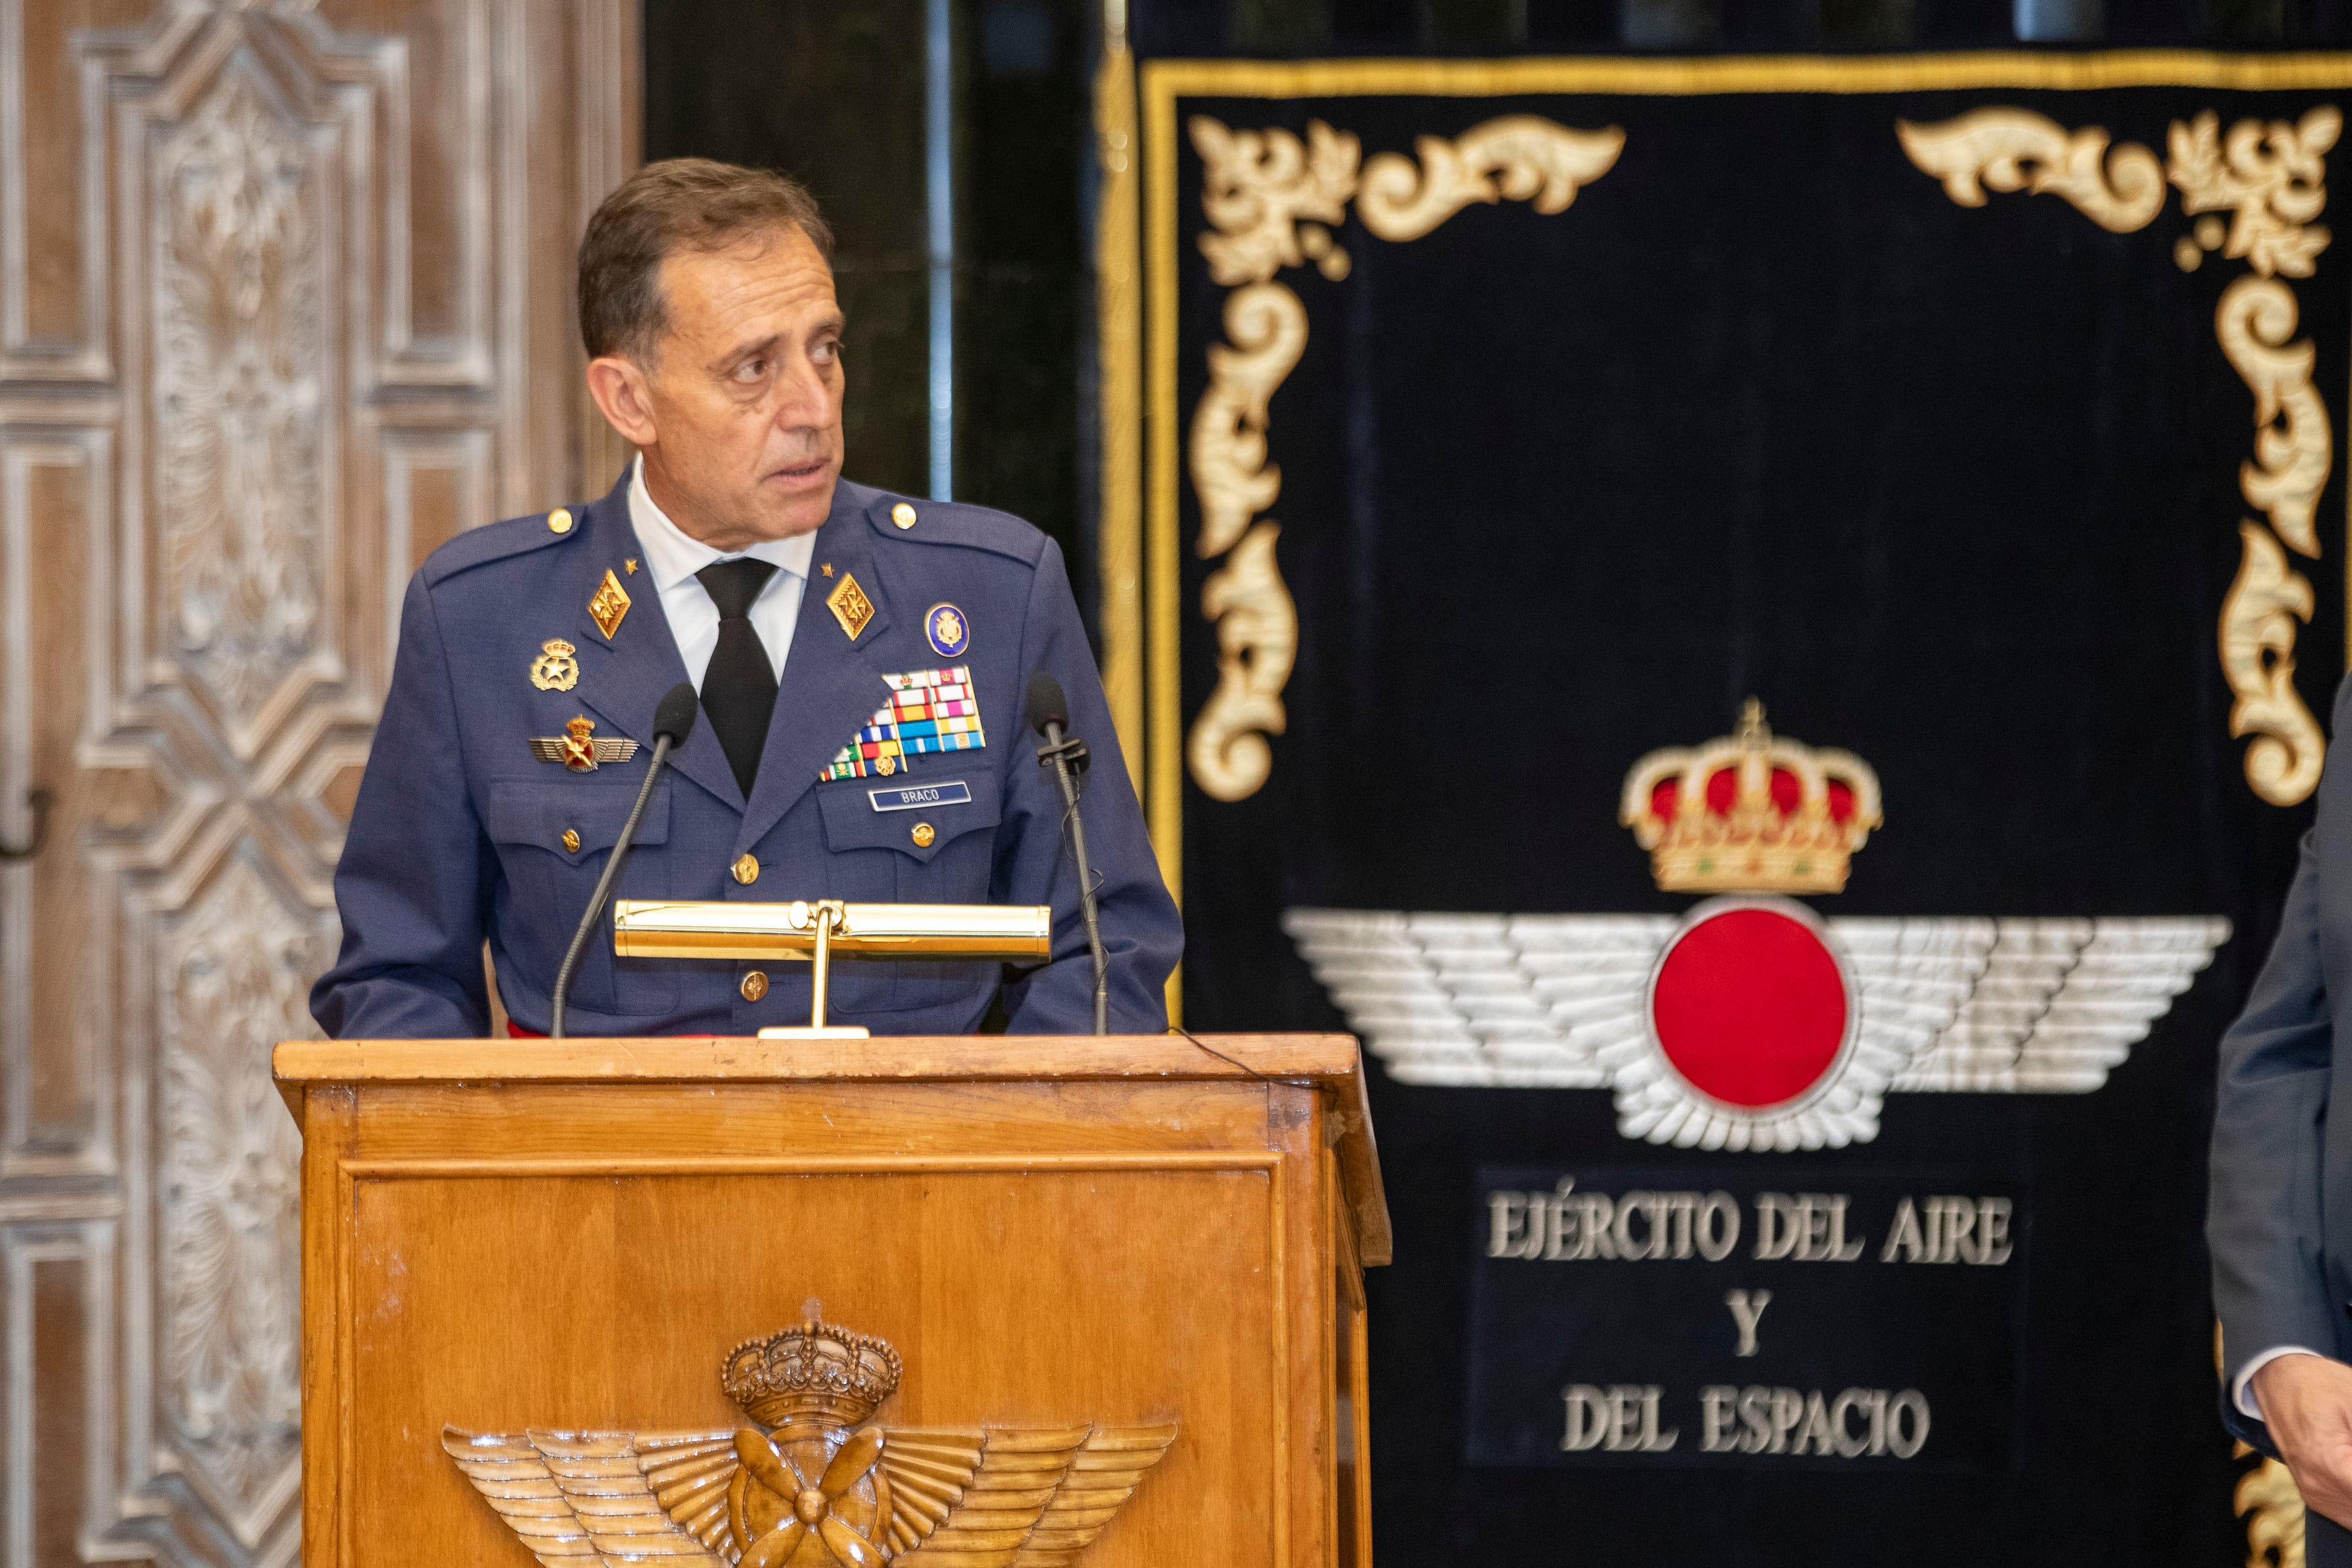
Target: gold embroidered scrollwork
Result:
[[2258, 625], [2271, 177], [1266, 328], [1520, 156], [2294, 449], [1258, 639], [2272, 1508], [2017, 150], [1274, 201]]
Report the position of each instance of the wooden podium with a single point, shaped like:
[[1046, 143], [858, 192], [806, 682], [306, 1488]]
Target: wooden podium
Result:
[[1083, 1300]]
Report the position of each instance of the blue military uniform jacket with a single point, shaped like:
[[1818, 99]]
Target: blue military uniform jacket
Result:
[[462, 833]]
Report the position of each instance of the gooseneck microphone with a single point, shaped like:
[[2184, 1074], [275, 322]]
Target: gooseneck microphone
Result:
[[1049, 713], [673, 722]]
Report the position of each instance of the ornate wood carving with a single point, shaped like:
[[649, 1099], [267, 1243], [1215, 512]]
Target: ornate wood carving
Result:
[[810, 1481], [282, 307]]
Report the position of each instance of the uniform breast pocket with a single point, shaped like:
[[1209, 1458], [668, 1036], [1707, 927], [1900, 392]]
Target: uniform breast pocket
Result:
[[552, 840], [940, 831]]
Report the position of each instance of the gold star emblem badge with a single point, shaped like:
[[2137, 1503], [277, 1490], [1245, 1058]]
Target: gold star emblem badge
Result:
[[609, 606], [555, 669], [850, 605]]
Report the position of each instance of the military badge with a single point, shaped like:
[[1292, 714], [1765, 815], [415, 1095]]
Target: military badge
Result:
[[929, 711], [807, 1482], [579, 747], [555, 669], [609, 604], [950, 633], [850, 605], [1752, 1023]]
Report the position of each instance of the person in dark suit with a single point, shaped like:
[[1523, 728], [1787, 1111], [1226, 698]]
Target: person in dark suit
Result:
[[2279, 1224], [862, 661]]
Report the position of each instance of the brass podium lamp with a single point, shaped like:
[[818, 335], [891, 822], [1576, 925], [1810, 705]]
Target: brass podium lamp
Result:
[[819, 930]]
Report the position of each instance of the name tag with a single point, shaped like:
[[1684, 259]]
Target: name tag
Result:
[[907, 797]]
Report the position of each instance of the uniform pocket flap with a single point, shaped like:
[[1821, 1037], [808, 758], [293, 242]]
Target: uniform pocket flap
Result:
[[917, 817], [543, 814]]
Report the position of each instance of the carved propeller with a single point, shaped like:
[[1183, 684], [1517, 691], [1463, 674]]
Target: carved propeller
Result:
[[812, 1505]]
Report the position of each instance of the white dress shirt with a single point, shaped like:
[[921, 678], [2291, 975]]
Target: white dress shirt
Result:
[[673, 557], [2242, 1393]]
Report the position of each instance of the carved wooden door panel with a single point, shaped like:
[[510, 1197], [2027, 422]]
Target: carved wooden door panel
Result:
[[285, 302]]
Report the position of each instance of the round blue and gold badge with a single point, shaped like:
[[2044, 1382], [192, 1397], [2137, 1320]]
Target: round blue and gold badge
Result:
[[950, 633]]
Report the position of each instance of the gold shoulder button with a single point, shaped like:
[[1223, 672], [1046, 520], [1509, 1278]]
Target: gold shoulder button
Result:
[[560, 520], [903, 515]]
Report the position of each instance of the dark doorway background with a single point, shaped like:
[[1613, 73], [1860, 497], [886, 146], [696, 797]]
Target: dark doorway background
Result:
[[831, 91]]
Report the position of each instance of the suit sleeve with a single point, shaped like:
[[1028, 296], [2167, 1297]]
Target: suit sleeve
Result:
[[1141, 932], [2270, 1120], [413, 884]]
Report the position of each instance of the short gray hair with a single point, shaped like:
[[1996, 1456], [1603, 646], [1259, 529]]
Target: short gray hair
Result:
[[678, 203]]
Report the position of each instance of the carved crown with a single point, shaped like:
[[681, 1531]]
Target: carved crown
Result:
[[1750, 813], [817, 1371]]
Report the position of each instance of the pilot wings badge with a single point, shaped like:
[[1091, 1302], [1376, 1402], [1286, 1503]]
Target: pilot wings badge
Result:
[[1752, 1023], [579, 747], [811, 1485]]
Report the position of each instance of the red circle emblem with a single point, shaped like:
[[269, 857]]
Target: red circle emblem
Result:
[[1750, 1007]]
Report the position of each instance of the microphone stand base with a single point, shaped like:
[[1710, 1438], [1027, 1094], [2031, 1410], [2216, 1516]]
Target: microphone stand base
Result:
[[830, 1031]]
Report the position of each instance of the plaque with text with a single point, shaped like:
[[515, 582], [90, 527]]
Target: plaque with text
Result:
[[1823, 1319]]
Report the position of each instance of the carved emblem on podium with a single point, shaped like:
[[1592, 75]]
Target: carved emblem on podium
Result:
[[810, 1484]]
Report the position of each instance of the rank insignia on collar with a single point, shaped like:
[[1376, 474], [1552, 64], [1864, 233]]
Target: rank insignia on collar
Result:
[[950, 633], [555, 669], [609, 606], [580, 749], [850, 605]]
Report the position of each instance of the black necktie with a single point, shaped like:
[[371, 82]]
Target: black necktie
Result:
[[739, 689]]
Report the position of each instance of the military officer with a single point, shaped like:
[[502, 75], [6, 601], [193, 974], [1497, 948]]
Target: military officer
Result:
[[862, 660]]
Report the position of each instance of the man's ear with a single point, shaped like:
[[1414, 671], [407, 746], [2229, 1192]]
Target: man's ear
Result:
[[618, 385]]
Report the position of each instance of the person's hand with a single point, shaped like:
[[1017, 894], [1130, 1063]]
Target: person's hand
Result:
[[2307, 1402]]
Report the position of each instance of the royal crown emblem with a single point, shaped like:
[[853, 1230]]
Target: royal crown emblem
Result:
[[1751, 812], [811, 1484], [815, 1374]]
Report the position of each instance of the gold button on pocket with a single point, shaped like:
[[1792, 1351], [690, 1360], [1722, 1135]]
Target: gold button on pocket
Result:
[[923, 835], [572, 841], [755, 985], [747, 871]]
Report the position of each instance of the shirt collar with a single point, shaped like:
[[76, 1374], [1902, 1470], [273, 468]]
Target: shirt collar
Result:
[[673, 555]]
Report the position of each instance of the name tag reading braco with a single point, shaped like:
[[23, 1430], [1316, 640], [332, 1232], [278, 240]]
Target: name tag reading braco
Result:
[[907, 797]]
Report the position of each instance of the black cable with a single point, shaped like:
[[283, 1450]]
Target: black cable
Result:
[[1179, 1030]]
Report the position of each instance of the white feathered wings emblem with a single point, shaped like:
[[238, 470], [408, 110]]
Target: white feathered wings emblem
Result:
[[1752, 1022]]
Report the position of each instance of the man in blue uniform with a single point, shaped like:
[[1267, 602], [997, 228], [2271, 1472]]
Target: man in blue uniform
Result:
[[862, 660]]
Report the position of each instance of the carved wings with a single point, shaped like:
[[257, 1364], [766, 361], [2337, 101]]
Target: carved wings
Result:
[[956, 1498], [1559, 1001]]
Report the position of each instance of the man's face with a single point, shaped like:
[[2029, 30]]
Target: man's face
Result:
[[742, 392]]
